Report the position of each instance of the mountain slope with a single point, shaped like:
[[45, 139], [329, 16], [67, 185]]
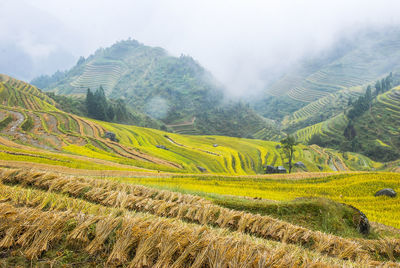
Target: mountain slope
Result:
[[57, 139], [356, 61], [174, 90], [377, 131]]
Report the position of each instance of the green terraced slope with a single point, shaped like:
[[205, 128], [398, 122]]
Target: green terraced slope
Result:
[[367, 58], [61, 141], [353, 62], [377, 130], [321, 109]]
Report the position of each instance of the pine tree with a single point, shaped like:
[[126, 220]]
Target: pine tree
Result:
[[368, 94], [110, 113], [90, 103], [100, 112], [378, 87]]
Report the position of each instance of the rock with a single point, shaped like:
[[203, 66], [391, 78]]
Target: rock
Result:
[[201, 169], [320, 168], [281, 169], [361, 221], [162, 147], [215, 145], [278, 146], [111, 136], [387, 192], [270, 169], [299, 164]]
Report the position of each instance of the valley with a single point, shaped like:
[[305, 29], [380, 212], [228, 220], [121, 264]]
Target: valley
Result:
[[137, 158]]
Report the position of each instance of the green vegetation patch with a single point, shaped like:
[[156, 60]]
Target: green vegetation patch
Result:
[[4, 123]]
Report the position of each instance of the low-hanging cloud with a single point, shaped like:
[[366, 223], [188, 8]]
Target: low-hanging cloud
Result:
[[245, 44]]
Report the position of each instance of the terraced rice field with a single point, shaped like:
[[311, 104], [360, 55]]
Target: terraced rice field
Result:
[[330, 127], [336, 99], [306, 95], [356, 67], [72, 142], [96, 74], [391, 102], [50, 218], [356, 189], [133, 208]]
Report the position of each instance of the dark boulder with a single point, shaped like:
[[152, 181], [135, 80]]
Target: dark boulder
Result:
[[270, 169], [201, 169], [387, 192], [162, 147], [320, 168], [111, 136], [361, 221], [278, 146]]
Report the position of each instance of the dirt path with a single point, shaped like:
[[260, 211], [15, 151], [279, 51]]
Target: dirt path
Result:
[[130, 174], [188, 123], [15, 124], [181, 145]]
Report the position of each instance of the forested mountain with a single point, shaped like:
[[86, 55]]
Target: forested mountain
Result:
[[175, 90]]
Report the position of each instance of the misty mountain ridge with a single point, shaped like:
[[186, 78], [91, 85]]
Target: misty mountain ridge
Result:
[[175, 90], [189, 100], [349, 65]]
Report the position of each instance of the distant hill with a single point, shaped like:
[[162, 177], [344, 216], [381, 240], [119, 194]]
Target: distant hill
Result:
[[172, 89], [377, 131], [351, 63]]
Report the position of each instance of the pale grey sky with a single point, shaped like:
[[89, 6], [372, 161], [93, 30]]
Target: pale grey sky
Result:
[[240, 42]]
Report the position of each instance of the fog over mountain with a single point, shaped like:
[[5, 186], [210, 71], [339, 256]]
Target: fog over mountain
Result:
[[245, 44]]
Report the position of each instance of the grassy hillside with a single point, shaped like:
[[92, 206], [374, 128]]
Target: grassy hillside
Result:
[[149, 80], [56, 138], [320, 110], [377, 130], [356, 61]]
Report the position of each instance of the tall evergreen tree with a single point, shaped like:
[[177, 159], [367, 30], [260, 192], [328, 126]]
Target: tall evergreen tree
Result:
[[378, 87], [90, 103], [100, 104]]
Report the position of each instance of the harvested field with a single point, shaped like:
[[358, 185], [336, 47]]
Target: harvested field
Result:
[[201, 212]]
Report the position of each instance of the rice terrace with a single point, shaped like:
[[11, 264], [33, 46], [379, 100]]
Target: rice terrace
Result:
[[284, 151]]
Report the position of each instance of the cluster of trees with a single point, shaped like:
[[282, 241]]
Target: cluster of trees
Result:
[[361, 105], [69, 104], [358, 108], [233, 119], [384, 85], [44, 81], [98, 107]]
